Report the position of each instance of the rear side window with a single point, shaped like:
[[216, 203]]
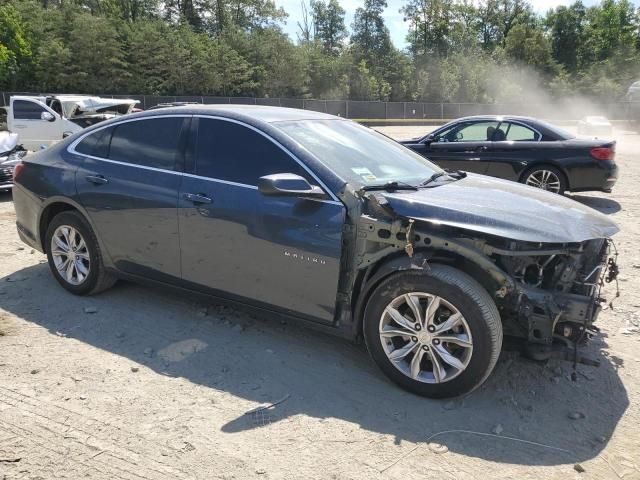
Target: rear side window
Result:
[[150, 142], [520, 133], [26, 110], [235, 153], [96, 144]]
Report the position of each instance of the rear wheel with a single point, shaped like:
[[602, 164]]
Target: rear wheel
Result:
[[436, 333], [546, 178], [74, 255]]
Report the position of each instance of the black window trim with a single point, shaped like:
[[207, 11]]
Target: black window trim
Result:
[[179, 160], [72, 149]]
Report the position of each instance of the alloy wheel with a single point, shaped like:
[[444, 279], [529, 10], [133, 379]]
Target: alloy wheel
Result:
[[70, 254], [544, 179], [425, 337]]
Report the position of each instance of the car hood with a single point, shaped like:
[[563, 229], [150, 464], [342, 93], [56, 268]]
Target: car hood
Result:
[[93, 105], [504, 209]]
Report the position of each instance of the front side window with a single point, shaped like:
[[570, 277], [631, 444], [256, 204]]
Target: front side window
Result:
[[26, 110], [359, 155], [469, 132], [151, 142], [233, 152], [519, 133]]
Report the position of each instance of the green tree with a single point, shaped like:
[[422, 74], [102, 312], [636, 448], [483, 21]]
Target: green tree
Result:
[[531, 47], [566, 26], [328, 25], [15, 47]]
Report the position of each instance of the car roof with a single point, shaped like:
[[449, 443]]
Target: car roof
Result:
[[262, 113], [498, 118]]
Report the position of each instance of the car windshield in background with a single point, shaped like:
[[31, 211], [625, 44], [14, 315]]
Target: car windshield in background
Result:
[[357, 154]]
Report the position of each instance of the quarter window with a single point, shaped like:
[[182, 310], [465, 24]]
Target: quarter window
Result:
[[96, 144], [233, 152], [26, 110], [150, 142], [520, 133]]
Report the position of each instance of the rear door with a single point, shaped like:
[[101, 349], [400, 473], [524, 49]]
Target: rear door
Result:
[[128, 182], [34, 131], [513, 150], [274, 251], [464, 146]]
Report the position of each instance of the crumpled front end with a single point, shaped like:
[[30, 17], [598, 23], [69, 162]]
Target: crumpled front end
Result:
[[558, 289], [544, 291]]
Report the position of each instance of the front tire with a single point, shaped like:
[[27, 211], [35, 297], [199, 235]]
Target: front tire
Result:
[[74, 255], [436, 332]]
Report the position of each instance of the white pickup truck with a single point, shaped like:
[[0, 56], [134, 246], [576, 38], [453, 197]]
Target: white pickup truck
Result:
[[44, 120]]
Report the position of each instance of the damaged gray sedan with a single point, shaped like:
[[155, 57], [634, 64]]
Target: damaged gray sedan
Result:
[[317, 218]]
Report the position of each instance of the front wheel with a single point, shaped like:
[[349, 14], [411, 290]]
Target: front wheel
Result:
[[435, 332], [546, 178]]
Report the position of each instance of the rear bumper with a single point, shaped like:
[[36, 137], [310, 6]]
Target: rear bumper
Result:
[[601, 176], [27, 216]]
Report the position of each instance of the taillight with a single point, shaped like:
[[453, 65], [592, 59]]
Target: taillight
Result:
[[17, 170], [603, 153]]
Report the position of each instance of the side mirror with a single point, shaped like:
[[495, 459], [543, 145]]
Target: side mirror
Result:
[[288, 185], [430, 139], [49, 117]]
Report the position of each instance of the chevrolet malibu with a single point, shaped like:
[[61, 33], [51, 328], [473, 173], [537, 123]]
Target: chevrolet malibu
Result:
[[314, 217]]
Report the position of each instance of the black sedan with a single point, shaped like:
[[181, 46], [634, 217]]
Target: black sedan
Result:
[[521, 149]]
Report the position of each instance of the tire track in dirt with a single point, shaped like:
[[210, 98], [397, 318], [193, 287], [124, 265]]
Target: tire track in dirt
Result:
[[79, 440]]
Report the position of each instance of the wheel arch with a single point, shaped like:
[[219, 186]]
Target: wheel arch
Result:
[[53, 207], [373, 276]]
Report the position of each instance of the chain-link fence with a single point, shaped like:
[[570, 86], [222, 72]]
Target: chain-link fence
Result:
[[394, 111]]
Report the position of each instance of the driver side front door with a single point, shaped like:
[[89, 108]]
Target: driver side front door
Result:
[[278, 252], [466, 146], [28, 122]]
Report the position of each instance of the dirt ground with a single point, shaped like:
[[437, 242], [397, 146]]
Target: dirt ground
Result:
[[141, 383]]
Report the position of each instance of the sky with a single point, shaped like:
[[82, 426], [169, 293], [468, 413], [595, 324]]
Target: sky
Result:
[[392, 17]]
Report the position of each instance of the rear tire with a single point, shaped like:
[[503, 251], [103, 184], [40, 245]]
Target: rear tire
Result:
[[545, 177], [453, 345], [74, 255]]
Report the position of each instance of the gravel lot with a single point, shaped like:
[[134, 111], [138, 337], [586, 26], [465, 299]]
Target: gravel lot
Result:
[[141, 383]]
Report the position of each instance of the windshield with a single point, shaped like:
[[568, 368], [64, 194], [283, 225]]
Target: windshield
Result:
[[357, 154]]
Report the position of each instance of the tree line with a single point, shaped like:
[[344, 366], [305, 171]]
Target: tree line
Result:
[[458, 50]]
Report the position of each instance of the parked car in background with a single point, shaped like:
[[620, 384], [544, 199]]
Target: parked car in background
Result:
[[43, 120], [318, 218], [521, 149], [633, 93], [595, 126], [10, 155]]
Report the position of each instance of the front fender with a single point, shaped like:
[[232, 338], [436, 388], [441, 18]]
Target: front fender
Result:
[[379, 273]]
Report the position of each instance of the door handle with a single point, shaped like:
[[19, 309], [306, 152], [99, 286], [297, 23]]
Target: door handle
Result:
[[197, 198], [97, 179], [482, 148]]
